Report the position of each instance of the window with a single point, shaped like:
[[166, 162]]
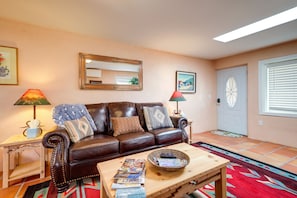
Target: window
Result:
[[278, 86], [231, 92]]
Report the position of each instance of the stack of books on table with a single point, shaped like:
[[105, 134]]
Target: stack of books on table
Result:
[[129, 179]]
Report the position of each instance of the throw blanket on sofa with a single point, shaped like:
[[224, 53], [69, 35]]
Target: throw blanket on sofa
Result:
[[65, 112]]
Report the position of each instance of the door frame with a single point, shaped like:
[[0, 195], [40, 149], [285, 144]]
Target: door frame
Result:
[[243, 75]]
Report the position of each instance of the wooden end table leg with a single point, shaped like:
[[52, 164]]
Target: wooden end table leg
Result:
[[220, 185], [191, 138], [42, 161], [5, 167], [102, 189]]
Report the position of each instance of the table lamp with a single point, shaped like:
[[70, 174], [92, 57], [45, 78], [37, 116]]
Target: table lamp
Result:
[[32, 97], [177, 96]]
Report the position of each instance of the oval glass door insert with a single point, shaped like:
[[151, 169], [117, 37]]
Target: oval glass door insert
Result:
[[231, 92]]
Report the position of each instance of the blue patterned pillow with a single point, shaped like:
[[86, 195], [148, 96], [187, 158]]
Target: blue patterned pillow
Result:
[[78, 129], [156, 117]]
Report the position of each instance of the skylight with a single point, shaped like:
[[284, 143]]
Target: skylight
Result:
[[275, 20]]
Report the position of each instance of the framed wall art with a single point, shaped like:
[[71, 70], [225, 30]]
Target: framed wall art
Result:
[[8, 65], [186, 82]]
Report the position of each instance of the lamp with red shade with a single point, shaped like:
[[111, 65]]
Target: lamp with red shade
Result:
[[177, 96], [32, 97]]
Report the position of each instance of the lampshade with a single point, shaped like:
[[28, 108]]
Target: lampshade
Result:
[[32, 97], [177, 96]]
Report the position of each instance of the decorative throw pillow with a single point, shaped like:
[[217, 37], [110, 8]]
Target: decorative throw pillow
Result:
[[78, 129], [123, 125], [156, 117]]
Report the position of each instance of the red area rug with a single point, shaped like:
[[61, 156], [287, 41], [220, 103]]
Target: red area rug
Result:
[[86, 188], [246, 178], [250, 178]]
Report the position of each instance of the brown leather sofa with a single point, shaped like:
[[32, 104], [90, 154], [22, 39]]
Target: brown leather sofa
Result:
[[72, 161]]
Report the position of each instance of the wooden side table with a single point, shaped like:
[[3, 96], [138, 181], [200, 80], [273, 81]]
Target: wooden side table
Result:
[[16, 144]]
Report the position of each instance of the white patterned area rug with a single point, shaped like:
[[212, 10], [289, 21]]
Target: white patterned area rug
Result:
[[226, 133]]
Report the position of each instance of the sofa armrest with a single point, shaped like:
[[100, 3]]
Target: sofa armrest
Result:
[[182, 123], [59, 141], [53, 138], [179, 122]]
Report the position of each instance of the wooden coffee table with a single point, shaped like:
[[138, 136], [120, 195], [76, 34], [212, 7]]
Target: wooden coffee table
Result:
[[203, 169]]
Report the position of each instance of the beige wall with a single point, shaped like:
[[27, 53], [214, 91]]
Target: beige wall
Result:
[[48, 60], [274, 129]]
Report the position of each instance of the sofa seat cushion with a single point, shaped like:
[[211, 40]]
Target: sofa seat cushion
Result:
[[93, 147], [167, 135], [134, 141]]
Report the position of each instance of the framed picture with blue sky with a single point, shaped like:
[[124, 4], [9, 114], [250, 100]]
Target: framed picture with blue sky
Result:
[[186, 82]]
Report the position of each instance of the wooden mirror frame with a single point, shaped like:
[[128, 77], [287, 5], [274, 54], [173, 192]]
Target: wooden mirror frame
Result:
[[109, 60]]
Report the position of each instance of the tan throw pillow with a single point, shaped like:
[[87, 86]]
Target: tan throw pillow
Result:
[[156, 117], [123, 125], [78, 129]]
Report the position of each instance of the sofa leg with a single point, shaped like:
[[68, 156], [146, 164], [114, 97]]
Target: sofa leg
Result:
[[62, 188]]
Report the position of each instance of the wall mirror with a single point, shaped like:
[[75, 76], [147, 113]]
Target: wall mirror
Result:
[[109, 73]]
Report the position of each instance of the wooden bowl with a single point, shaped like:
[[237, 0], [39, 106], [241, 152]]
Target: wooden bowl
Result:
[[180, 161]]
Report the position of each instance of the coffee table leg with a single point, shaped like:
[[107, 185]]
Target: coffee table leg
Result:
[[220, 185], [102, 190]]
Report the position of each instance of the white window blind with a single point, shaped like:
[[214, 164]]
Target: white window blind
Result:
[[278, 86], [282, 86]]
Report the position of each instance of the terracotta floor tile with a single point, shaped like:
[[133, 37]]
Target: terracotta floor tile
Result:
[[262, 158], [271, 161], [293, 162], [290, 168], [264, 148], [279, 157], [252, 155], [244, 145], [270, 153], [287, 151]]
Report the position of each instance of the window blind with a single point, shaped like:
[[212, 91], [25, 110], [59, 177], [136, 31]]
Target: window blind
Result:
[[282, 86]]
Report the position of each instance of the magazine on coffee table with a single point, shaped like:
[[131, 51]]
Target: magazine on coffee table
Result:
[[130, 174], [132, 166]]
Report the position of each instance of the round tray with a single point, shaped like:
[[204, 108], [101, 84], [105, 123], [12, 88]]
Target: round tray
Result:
[[183, 158]]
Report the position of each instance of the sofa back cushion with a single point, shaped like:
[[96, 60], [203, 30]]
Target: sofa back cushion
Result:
[[102, 113], [139, 108], [99, 114]]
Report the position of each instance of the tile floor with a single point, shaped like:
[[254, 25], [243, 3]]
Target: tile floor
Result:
[[275, 154]]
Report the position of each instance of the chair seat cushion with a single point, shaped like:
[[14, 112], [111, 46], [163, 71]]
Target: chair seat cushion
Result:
[[167, 135], [135, 141], [94, 146]]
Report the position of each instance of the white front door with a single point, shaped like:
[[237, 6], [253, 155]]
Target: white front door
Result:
[[232, 99]]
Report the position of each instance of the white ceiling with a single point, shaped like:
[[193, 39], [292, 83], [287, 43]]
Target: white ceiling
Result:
[[179, 26]]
